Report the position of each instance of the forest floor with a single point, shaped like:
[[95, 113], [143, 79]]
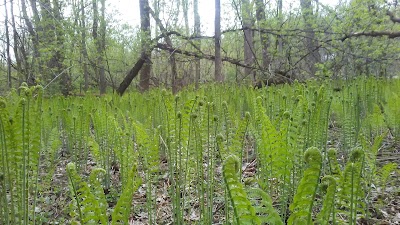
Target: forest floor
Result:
[[54, 197], [386, 202]]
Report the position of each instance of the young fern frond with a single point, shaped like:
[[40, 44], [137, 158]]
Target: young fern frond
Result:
[[276, 162], [239, 136], [98, 192], [90, 210], [244, 212], [384, 174], [351, 194], [371, 151], [265, 211], [148, 148], [95, 149], [305, 195], [121, 211], [328, 206], [229, 125], [333, 164]]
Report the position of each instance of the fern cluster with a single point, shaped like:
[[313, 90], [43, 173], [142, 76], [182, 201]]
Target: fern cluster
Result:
[[89, 204], [186, 141]]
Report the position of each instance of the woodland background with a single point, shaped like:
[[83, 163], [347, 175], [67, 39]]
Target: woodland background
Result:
[[73, 46], [323, 148]]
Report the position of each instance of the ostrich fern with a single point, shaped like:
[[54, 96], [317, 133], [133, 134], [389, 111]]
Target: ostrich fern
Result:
[[303, 201], [89, 204]]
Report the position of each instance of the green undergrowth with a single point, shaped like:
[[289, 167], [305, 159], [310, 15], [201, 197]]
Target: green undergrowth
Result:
[[304, 153]]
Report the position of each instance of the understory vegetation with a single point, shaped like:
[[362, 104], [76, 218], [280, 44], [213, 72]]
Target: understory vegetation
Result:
[[305, 153]]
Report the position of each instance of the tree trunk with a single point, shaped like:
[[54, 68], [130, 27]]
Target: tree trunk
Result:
[[57, 62], [311, 44], [248, 38], [17, 55], [35, 40], [102, 48], [280, 61], [197, 32], [84, 52], [172, 60], [218, 62], [260, 15], [132, 74], [99, 42], [185, 9], [144, 82], [9, 82], [47, 39]]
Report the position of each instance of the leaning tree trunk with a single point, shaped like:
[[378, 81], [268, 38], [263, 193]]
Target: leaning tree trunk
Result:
[[130, 76]]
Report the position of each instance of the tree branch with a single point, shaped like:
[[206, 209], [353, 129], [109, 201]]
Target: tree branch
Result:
[[202, 56], [388, 34]]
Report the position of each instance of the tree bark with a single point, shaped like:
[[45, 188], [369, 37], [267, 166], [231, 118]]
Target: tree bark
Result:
[[9, 82], [17, 55], [185, 9], [84, 52], [196, 33], [57, 61], [35, 40], [260, 15], [98, 34], [218, 63], [310, 42], [144, 82], [248, 37], [102, 49], [130, 76]]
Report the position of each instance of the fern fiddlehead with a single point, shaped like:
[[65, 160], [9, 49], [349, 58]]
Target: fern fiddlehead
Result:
[[328, 207], [304, 198], [351, 194], [244, 212]]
